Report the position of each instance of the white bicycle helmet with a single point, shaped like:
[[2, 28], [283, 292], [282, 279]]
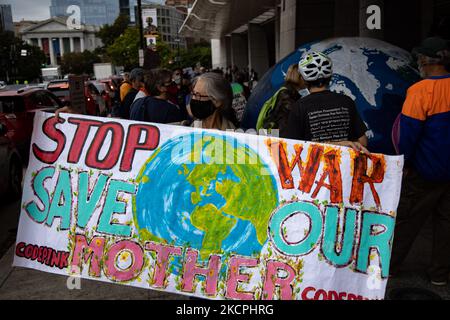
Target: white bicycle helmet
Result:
[[314, 66]]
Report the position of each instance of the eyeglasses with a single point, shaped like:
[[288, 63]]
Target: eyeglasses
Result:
[[199, 96]]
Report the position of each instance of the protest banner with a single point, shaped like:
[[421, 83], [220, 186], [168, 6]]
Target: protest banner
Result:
[[205, 213]]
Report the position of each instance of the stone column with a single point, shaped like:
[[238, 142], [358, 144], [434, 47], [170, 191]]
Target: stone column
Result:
[[277, 33], [239, 51], [228, 49], [72, 46], [61, 46], [288, 25], [218, 53], [82, 43], [258, 56], [40, 43], [52, 52]]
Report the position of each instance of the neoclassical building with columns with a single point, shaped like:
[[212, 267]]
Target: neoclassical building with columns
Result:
[[55, 38]]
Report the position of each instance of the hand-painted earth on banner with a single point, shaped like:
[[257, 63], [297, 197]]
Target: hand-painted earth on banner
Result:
[[216, 207], [205, 213], [374, 73]]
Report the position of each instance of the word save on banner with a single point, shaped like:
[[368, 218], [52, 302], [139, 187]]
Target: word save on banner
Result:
[[206, 213]]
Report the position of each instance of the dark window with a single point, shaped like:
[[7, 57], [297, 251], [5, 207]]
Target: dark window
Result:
[[11, 104], [47, 100], [54, 102], [93, 89], [60, 93], [37, 100]]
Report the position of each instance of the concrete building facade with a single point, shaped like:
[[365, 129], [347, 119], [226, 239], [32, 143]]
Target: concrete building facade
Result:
[[6, 20], [55, 38], [259, 33]]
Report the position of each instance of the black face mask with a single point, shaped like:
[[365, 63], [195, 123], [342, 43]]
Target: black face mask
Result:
[[202, 109]]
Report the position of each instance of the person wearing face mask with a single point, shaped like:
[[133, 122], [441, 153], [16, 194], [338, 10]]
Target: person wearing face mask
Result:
[[157, 108], [425, 143], [177, 76], [179, 90], [211, 103]]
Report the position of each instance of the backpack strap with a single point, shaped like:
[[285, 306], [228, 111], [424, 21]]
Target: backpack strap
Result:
[[267, 108]]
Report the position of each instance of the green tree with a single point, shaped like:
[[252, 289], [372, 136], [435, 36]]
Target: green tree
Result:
[[187, 57], [29, 67], [79, 62], [198, 53], [166, 54], [109, 33], [125, 49], [13, 65]]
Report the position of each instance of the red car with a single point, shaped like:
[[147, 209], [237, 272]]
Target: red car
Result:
[[17, 110], [111, 83], [94, 102]]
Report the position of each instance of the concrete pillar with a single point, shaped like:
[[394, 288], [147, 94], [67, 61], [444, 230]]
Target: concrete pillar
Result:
[[40, 43], [61, 46], [258, 56], [228, 50], [239, 51], [72, 46], [52, 52], [277, 34], [288, 24], [364, 17], [82, 47], [218, 52]]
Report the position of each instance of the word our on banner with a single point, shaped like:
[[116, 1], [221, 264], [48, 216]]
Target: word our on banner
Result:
[[205, 213]]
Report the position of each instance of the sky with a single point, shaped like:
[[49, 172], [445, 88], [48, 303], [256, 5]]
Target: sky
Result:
[[35, 9], [29, 9]]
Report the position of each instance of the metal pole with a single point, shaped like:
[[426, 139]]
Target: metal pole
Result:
[[178, 51], [141, 25]]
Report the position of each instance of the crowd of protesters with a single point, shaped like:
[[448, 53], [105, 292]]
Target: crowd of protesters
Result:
[[305, 109], [216, 98]]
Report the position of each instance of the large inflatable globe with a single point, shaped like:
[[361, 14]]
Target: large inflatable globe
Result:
[[375, 74], [192, 192]]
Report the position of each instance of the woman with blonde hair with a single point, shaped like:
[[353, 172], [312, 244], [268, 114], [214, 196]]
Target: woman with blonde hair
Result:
[[291, 91]]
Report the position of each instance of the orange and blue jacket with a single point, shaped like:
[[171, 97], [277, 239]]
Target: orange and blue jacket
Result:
[[425, 128]]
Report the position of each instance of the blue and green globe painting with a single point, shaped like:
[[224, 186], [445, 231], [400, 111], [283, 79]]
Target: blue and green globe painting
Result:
[[198, 196]]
